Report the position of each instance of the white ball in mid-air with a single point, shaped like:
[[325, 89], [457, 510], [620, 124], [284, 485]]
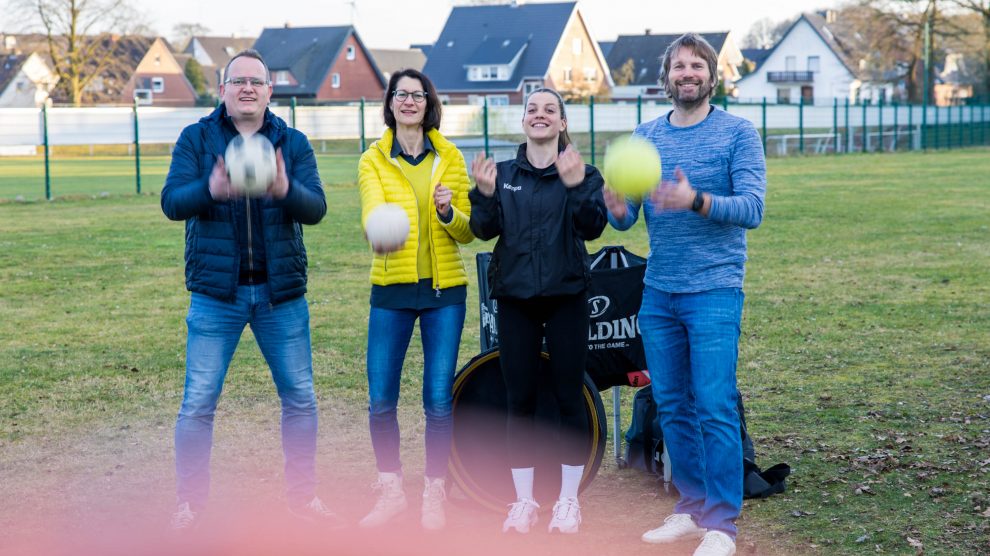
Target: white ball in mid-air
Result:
[[250, 163], [387, 228]]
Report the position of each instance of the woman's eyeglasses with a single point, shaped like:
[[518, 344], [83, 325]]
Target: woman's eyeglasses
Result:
[[418, 96]]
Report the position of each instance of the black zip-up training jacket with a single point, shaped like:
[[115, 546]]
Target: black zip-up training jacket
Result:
[[541, 227]]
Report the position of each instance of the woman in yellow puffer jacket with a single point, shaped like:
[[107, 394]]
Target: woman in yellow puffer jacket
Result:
[[414, 167]]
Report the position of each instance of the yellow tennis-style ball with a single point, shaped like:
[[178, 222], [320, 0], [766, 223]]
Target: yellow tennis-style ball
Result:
[[632, 166]]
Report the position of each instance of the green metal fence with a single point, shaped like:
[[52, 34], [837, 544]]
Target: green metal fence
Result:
[[786, 130]]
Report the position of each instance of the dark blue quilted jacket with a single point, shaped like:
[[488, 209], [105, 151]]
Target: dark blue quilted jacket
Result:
[[212, 252]]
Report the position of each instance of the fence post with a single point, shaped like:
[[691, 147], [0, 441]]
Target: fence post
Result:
[[764, 126], [880, 124], [48, 173], [292, 113], [962, 128], [924, 123], [849, 137], [936, 128], [911, 128], [137, 149], [866, 136], [591, 119], [835, 125], [484, 124], [972, 122], [894, 146], [801, 124], [361, 125], [725, 103], [639, 109]]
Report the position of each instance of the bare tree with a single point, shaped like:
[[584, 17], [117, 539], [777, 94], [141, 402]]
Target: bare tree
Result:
[[982, 9], [182, 33], [765, 32], [81, 35]]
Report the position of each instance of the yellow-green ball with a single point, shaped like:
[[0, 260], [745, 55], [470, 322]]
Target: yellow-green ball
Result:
[[632, 166]]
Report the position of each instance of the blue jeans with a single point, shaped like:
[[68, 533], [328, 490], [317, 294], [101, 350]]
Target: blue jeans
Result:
[[692, 344], [282, 333], [389, 332]]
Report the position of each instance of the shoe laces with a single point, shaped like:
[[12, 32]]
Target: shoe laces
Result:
[[386, 491], [434, 495], [318, 507], [715, 541], [183, 517], [566, 509], [517, 510]]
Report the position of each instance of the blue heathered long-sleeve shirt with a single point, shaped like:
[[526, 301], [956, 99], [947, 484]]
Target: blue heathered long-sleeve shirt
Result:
[[722, 156]]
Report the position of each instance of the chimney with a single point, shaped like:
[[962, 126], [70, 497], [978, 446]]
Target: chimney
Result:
[[288, 25], [647, 31], [831, 16]]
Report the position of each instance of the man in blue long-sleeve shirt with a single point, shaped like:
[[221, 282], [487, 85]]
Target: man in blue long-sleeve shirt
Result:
[[245, 265], [714, 182]]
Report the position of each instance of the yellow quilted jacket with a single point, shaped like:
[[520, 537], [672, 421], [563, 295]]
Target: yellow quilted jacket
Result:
[[380, 180]]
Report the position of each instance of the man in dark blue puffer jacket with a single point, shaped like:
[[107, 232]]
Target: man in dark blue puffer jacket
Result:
[[245, 265]]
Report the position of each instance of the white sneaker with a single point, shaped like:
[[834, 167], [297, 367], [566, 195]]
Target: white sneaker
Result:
[[716, 543], [184, 519], [391, 501], [566, 516], [434, 494], [676, 527], [522, 516]]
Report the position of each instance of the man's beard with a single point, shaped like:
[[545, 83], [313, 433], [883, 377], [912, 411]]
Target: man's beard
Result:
[[701, 96]]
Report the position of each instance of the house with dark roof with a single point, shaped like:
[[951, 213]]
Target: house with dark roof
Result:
[[109, 84], [754, 57], [25, 80], [213, 53], [159, 79], [635, 62], [500, 53], [811, 62], [390, 61], [320, 63]]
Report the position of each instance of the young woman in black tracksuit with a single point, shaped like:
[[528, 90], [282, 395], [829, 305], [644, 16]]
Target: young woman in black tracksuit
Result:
[[542, 206]]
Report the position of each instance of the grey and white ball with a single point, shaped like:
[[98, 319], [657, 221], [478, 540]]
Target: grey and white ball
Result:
[[250, 163], [387, 228]]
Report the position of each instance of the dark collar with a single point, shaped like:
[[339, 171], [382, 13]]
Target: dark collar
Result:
[[524, 163], [397, 148]]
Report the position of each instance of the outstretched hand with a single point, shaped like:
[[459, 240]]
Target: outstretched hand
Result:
[[615, 203], [484, 172], [673, 195], [280, 187], [570, 167], [220, 188], [441, 198]]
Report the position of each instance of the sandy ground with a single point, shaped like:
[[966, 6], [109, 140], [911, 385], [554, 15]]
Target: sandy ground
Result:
[[111, 492]]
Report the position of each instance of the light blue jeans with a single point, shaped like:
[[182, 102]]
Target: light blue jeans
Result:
[[389, 332], [282, 333], [692, 344]]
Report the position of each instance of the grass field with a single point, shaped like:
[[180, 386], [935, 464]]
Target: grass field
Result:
[[865, 360]]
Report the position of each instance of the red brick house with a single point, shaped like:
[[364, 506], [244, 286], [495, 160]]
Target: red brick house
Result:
[[320, 64]]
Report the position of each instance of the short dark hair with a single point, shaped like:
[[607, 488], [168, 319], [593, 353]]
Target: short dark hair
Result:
[[563, 139], [700, 47], [247, 53], [433, 111]]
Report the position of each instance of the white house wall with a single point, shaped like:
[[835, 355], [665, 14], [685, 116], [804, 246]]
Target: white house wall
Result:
[[831, 81]]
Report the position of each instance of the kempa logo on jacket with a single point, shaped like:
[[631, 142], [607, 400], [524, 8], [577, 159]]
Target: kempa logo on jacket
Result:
[[511, 187]]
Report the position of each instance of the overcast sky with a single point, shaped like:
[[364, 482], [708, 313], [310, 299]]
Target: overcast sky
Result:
[[399, 23]]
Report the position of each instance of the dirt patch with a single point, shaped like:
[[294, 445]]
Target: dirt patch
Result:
[[112, 491]]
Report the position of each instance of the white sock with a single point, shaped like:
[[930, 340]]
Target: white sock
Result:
[[570, 480], [523, 480]]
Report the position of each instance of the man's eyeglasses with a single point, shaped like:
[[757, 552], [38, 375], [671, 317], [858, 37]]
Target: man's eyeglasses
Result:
[[418, 96], [242, 81]]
